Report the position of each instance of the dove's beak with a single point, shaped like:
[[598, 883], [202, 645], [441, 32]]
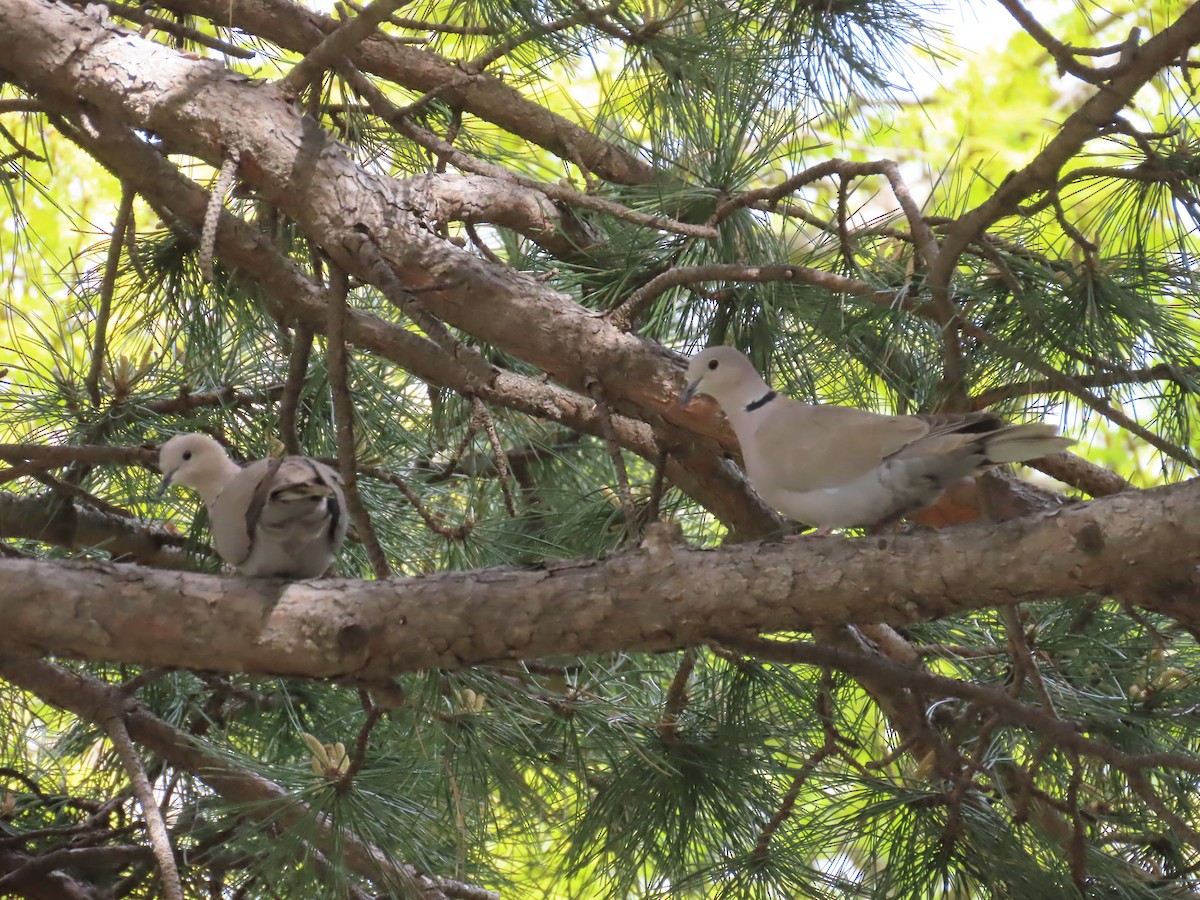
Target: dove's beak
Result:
[[166, 483], [688, 392]]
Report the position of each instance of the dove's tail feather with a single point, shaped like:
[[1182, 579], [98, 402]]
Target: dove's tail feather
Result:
[[1019, 443]]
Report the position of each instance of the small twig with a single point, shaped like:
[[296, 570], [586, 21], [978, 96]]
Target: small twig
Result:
[[156, 826], [432, 520], [289, 404], [786, 805], [596, 389], [176, 29], [388, 111], [336, 45], [658, 486], [628, 313], [90, 499], [1079, 473], [1076, 847], [842, 229], [1023, 658], [477, 368], [374, 713], [107, 286], [453, 129], [481, 62], [456, 457], [131, 250], [20, 151], [1160, 372], [212, 214], [1064, 54], [487, 252], [957, 650], [441, 27], [489, 426], [22, 105], [343, 414], [677, 696]]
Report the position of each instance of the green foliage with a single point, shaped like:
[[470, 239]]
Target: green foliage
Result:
[[705, 775]]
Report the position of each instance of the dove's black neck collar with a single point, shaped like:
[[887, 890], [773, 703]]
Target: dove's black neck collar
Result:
[[761, 401]]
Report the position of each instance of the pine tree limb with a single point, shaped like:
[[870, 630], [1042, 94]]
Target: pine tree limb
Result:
[[343, 414], [264, 799], [113, 721], [1135, 546]]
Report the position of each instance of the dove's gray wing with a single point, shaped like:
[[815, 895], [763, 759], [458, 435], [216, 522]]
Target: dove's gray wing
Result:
[[835, 466], [281, 518]]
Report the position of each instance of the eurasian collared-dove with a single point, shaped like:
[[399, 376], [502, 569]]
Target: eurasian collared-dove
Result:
[[277, 517], [838, 467]]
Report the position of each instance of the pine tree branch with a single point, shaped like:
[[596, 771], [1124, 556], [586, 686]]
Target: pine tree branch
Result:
[[335, 45], [626, 315], [1065, 54], [177, 29], [1142, 63], [996, 700], [50, 456], [398, 119], [226, 396], [264, 800], [692, 466], [52, 885], [343, 415], [113, 722], [49, 520], [1162, 372], [1070, 385], [299, 29], [1136, 546], [107, 285]]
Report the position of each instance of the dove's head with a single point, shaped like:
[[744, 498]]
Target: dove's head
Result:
[[725, 375], [196, 461]]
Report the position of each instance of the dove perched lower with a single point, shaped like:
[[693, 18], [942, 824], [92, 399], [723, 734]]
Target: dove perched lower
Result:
[[276, 517], [839, 467]]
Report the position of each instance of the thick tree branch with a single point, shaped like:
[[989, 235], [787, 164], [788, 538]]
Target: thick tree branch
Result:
[[49, 520], [296, 28], [695, 464], [1142, 547]]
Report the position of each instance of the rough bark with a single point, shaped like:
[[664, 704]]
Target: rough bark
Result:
[[196, 107], [1140, 547], [295, 28]]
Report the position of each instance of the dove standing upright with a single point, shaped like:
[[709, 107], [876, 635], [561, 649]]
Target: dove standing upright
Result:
[[277, 517], [839, 467]]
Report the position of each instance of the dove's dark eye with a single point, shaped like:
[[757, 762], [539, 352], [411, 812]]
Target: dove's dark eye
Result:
[[187, 454], [712, 363]]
